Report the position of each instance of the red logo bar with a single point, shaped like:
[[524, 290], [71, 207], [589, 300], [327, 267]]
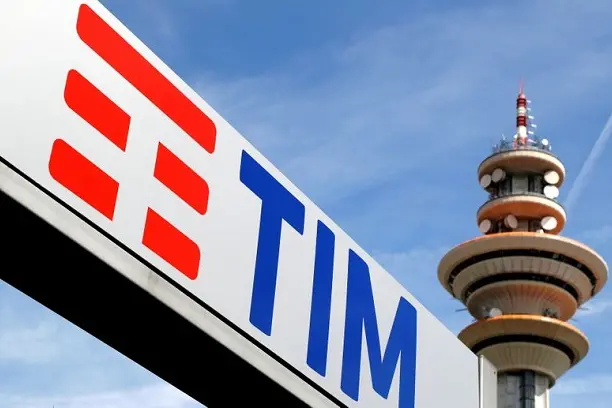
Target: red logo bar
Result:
[[181, 179], [97, 109], [171, 244], [83, 178], [79, 175], [132, 66]]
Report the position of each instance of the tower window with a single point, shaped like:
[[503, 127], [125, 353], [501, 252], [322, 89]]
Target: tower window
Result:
[[505, 187], [535, 184], [534, 225], [520, 184]]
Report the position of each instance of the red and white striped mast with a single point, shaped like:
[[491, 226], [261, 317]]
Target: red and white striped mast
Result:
[[522, 117]]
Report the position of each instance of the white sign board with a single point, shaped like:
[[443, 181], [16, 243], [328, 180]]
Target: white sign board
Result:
[[95, 119]]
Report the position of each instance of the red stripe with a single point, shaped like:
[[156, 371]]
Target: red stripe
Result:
[[97, 109], [79, 175], [112, 48], [171, 245], [181, 179]]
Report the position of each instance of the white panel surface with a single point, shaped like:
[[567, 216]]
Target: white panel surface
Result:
[[488, 383], [40, 45]]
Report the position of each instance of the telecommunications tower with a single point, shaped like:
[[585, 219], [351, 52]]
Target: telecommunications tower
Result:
[[521, 280]]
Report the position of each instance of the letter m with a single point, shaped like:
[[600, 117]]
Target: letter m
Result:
[[361, 322]]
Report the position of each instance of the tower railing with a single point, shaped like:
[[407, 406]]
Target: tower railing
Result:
[[510, 146]]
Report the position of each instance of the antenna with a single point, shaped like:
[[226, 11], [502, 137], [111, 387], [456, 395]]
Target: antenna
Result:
[[521, 117]]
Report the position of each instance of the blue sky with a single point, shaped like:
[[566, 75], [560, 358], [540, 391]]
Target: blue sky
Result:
[[380, 112]]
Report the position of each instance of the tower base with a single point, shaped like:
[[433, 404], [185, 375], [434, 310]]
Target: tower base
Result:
[[524, 389]]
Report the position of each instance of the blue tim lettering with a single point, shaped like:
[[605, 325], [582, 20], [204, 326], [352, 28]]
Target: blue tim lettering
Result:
[[361, 315], [320, 310], [277, 204]]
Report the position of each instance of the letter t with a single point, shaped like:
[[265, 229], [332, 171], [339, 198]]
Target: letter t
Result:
[[277, 204]]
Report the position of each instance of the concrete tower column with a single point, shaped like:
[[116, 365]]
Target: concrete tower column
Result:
[[526, 389]]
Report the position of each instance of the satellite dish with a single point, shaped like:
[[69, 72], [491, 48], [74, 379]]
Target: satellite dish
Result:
[[549, 223], [485, 226], [544, 142], [485, 181], [498, 175], [511, 221], [551, 192], [551, 177]]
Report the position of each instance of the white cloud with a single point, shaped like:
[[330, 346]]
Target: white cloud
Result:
[[412, 263], [402, 104], [597, 236], [28, 336], [159, 18], [340, 120], [595, 308], [29, 345], [591, 384], [155, 396], [589, 164]]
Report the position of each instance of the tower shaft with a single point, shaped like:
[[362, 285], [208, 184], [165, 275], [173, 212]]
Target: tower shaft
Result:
[[525, 389]]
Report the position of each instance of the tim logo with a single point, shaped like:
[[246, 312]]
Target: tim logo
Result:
[[97, 188]]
